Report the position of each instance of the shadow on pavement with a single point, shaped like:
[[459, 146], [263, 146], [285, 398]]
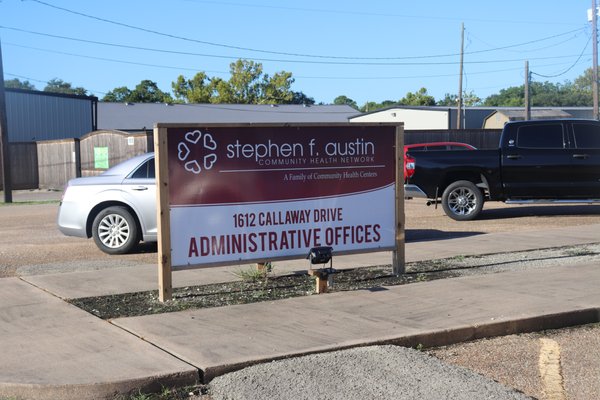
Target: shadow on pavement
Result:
[[425, 235], [540, 211], [146, 247]]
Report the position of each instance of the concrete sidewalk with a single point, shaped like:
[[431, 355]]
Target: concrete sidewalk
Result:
[[51, 349], [145, 277], [220, 340]]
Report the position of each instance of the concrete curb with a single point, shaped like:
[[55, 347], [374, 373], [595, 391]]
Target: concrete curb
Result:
[[435, 313], [53, 350], [438, 338], [97, 390]]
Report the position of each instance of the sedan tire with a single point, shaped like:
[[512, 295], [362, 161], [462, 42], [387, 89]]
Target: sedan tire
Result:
[[115, 230], [462, 201]]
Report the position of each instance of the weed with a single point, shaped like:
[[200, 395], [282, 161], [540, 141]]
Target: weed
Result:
[[140, 396], [250, 274], [579, 252], [254, 274]]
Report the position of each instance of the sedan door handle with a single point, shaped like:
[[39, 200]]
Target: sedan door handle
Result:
[[581, 156], [513, 156], [140, 188]]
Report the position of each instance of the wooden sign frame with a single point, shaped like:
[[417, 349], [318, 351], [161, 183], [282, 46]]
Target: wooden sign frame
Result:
[[163, 203]]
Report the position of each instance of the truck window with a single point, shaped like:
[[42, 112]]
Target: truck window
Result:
[[548, 136], [587, 136]]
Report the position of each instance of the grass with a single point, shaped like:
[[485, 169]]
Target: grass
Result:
[[168, 394], [255, 274], [26, 203]]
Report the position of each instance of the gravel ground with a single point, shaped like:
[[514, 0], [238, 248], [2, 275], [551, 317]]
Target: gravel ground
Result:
[[511, 360], [265, 288], [378, 372]]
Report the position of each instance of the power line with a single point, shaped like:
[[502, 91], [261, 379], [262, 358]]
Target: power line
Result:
[[279, 52], [568, 69], [269, 59], [373, 14], [575, 36], [299, 61], [46, 82], [337, 77]]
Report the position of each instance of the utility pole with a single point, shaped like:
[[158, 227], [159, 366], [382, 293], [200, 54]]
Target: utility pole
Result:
[[527, 102], [460, 78], [595, 58], [6, 181]]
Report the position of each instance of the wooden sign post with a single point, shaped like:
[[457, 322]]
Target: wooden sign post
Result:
[[231, 193]]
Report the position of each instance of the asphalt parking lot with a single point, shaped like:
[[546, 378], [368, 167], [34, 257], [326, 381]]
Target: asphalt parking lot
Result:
[[29, 240]]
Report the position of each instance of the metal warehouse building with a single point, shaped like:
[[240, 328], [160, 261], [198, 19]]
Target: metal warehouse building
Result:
[[33, 115]]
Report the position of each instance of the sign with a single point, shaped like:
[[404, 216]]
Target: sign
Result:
[[256, 193], [101, 157]]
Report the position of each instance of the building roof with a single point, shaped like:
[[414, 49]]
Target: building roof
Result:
[[51, 94], [516, 115], [143, 116]]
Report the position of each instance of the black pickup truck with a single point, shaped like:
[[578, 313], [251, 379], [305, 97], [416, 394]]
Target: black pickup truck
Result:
[[537, 161]]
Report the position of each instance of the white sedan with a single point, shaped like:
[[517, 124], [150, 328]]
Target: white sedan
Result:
[[116, 208]]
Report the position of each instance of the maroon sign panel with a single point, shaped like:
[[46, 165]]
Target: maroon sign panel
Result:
[[233, 165]]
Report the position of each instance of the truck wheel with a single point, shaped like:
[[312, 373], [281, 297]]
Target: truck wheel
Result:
[[115, 230], [462, 201]]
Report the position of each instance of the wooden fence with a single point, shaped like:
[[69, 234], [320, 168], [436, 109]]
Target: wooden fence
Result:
[[50, 164], [23, 166], [58, 161], [103, 149], [480, 138]]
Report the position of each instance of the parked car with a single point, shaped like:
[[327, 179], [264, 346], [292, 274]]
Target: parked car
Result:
[[409, 162], [116, 208], [539, 161]]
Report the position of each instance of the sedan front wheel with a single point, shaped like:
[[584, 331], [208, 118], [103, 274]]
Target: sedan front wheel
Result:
[[115, 230]]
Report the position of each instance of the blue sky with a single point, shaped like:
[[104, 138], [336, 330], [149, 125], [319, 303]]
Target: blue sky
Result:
[[367, 50]]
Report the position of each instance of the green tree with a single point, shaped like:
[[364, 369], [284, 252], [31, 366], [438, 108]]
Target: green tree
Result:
[[301, 98], [199, 89], [146, 91], [344, 100], [582, 88], [246, 85], [470, 99], [277, 89], [118, 95], [419, 98], [543, 94], [370, 106], [59, 86], [510, 97], [18, 84]]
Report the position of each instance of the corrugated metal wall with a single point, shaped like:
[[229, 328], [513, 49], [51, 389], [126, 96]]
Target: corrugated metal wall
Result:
[[33, 116]]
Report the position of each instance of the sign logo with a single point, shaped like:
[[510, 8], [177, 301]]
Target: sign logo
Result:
[[197, 138]]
